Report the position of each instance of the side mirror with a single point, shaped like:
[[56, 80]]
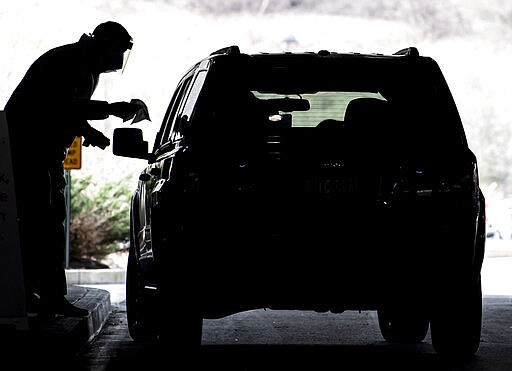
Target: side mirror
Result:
[[129, 142]]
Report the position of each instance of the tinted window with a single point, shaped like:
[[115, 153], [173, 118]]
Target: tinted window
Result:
[[165, 136]]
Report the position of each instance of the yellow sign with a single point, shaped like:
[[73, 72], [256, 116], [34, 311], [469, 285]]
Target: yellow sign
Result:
[[73, 159]]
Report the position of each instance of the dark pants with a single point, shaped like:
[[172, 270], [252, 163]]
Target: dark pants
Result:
[[38, 168], [42, 213]]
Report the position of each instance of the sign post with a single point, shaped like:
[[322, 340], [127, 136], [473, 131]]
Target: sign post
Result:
[[73, 160], [13, 306]]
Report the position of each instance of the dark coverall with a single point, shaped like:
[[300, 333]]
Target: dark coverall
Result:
[[47, 110]]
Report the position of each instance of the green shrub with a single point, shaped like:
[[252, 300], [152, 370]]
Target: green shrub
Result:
[[100, 218]]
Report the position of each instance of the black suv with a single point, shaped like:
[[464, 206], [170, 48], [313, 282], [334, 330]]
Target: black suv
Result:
[[309, 181]]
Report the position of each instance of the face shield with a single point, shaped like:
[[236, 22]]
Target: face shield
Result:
[[126, 55], [114, 59]]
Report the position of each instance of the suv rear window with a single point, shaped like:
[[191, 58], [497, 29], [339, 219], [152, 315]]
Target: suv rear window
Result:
[[406, 107], [324, 105]]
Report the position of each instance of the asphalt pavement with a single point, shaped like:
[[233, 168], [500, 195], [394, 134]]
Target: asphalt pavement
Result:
[[64, 337]]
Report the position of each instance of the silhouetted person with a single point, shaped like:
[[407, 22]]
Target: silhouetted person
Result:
[[46, 111]]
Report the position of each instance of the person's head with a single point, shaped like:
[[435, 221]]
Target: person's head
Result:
[[112, 44]]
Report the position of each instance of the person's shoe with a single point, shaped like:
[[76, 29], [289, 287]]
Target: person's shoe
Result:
[[33, 304], [66, 309], [61, 307], [44, 315]]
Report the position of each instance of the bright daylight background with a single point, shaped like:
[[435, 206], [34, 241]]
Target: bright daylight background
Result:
[[470, 39]]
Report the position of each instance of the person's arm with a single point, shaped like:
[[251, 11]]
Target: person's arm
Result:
[[91, 109], [94, 137], [100, 110]]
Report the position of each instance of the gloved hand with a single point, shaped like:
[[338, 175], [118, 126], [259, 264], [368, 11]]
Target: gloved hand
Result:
[[123, 110], [96, 138]]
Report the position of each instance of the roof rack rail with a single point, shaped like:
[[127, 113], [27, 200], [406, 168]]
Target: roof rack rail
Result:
[[233, 49], [410, 51]]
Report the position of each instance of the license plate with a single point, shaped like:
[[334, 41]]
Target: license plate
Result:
[[332, 185]]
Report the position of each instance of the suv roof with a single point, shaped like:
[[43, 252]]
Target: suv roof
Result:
[[235, 50]]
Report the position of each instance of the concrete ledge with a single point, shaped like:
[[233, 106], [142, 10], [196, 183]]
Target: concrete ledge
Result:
[[93, 276], [55, 342], [498, 248]]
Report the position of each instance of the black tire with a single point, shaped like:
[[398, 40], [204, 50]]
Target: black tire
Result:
[[400, 326], [182, 330], [181, 324], [140, 326], [457, 324]]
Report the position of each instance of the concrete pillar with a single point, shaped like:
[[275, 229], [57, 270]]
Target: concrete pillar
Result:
[[13, 308]]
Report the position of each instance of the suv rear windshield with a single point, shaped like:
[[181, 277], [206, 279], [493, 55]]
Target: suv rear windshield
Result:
[[404, 104], [324, 105]]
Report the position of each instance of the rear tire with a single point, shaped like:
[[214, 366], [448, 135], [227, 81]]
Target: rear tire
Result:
[[456, 326], [140, 327]]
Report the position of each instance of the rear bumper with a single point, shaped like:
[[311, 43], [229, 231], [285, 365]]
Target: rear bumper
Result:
[[288, 255]]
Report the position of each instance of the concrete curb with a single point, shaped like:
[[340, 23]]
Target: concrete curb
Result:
[[95, 276], [496, 248], [59, 339]]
